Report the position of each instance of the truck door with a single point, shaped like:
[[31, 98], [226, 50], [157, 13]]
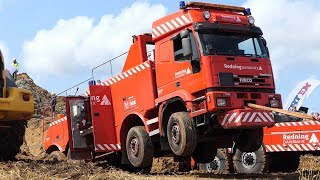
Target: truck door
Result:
[[174, 69], [77, 120], [77, 114], [102, 114]]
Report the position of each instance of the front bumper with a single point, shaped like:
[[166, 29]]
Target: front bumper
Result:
[[245, 118], [14, 107]]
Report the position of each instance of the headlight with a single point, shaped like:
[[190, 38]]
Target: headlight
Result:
[[274, 103], [221, 102], [251, 20]]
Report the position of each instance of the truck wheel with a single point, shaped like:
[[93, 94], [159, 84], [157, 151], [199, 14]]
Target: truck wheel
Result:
[[11, 139], [219, 164], [139, 147], [204, 153], [181, 133], [250, 140], [57, 156], [251, 162]]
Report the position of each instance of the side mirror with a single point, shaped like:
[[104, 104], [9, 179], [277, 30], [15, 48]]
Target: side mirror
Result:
[[264, 41], [186, 46]]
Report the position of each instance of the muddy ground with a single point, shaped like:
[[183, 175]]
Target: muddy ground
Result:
[[32, 164]]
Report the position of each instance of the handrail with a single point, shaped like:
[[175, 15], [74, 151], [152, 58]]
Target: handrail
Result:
[[75, 86], [109, 61]]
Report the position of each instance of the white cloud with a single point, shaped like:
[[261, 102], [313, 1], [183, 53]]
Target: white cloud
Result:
[[79, 43], [292, 30]]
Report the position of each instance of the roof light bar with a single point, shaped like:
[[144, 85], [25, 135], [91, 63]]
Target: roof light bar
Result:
[[215, 6]]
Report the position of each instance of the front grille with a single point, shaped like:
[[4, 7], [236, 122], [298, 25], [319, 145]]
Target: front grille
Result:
[[245, 80]]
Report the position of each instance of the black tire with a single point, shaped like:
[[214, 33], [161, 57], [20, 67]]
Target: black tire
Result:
[[220, 163], [204, 153], [139, 147], [11, 139], [57, 156], [181, 133], [251, 162], [250, 140]]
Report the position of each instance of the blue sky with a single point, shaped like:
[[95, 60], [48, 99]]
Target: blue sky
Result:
[[58, 42]]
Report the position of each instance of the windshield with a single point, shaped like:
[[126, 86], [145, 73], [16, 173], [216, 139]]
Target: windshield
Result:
[[233, 44]]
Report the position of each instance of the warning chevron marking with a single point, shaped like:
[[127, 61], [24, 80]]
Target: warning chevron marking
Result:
[[105, 101], [313, 139]]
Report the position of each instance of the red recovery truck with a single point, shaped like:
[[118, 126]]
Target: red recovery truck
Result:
[[292, 136], [210, 61]]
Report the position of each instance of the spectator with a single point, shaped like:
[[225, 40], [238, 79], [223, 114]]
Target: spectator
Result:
[[53, 103], [294, 109], [15, 66]]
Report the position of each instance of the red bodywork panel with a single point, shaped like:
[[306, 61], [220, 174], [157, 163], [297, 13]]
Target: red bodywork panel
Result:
[[138, 51], [134, 93], [57, 135], [292, 136], [103, 119], [245, 118]]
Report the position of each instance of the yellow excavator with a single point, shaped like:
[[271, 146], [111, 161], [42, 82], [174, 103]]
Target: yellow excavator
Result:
[[16, 107]]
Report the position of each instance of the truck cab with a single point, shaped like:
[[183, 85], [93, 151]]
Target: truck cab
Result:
[[215, 52]]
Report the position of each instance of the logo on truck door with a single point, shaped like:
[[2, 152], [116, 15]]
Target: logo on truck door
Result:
[[96, 100], [182, 73], [130, 103]]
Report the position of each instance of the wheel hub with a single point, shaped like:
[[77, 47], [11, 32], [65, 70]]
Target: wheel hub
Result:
[[214, 165], [175, 133], [134, 146], [249, 160]]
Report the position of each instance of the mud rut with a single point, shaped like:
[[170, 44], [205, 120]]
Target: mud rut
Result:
[[32, 163]]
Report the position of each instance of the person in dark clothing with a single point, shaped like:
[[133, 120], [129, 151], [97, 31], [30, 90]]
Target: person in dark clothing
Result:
[[53, 103]]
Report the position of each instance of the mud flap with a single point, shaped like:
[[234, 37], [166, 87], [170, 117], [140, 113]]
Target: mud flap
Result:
[[103, 119]]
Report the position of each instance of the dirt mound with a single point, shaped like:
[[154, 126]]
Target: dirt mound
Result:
[[41, 96], [33, 144]]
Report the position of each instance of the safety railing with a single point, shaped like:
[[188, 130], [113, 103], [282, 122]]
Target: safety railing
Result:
[[103, 67]]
